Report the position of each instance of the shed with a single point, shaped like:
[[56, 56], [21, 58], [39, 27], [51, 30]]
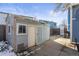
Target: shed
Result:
[[23, 32]]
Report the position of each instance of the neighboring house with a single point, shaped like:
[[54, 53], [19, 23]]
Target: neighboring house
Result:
[[73, 22], [23, 31], [53, 28], [52, 25], [62, 30]]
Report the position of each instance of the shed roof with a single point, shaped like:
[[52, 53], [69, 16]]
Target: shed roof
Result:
[[29, 18]]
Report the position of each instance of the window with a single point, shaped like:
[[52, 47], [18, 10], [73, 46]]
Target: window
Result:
[[22, 29], [9, 30]]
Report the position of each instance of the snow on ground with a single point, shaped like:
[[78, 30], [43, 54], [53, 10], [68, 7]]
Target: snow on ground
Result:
[[7, 53], [7, 50]]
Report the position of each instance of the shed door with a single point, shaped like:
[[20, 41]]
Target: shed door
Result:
[[39, 35], [31, 36]]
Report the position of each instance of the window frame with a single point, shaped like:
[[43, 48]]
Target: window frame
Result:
[[17, 29]]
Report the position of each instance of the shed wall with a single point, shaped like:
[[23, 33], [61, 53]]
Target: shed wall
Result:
[[43, 33], [11, 37], [21, 39]]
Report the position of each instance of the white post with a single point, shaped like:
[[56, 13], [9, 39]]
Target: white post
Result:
[[71, 22]]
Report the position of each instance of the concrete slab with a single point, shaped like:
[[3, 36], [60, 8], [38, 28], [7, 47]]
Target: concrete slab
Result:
[[56, 47]]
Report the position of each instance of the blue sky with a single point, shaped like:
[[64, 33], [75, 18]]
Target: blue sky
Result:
[[42, 11]]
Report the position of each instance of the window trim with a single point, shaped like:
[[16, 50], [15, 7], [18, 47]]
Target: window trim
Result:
[[17, 29]]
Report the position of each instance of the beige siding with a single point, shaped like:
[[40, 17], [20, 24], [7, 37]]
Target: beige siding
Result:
[[31, 35], [29, 39], [21, 39]]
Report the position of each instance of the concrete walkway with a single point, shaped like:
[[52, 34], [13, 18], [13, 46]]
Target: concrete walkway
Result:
[[56, 46]]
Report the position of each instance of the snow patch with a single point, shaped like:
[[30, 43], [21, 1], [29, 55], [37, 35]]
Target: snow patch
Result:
[[6, 50]]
